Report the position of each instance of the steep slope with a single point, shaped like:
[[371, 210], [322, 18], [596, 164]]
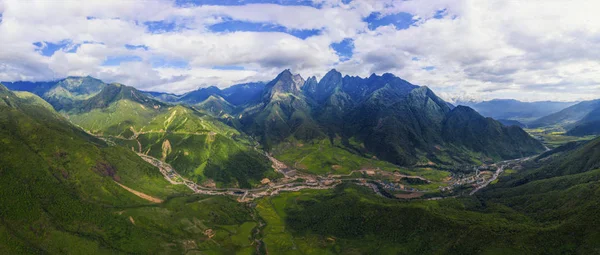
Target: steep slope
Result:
[[199, 146], [398, 121], [238, 95], [216, 106], [588, 125], [382, 116], [38, 88], [198, 95], [511, 109], [320, 91], [33, 99], [397, 126], [567, 117], [60, 185], [63, 93], [464, 127], [114, 110], [517, 123], [379, 117], [243, 94], [333, 103], [283, 113], [162, 96]]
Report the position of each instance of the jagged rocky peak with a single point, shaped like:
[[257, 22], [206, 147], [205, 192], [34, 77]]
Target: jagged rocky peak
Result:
[[285, 83], [325, 87], [333, 76]]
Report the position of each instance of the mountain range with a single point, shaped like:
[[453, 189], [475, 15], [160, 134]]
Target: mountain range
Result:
[[579, 120], [60, 185], [510, 109], [73, 179], [379, 117], [383, 117]]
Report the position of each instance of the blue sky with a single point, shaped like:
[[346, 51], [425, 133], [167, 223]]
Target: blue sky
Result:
[[461, 48]]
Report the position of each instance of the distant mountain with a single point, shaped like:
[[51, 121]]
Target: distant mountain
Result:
[[382, 117], [516, 110], [197, 96], [237, 95], [114, 93], [283, 112], [568, 117], [162, 96], [398, 122], [38, 88], [465, 127], [375, 118], [243, 94], [62, 93], [588, 125], [199, 146], [216, 106], [512, 123]]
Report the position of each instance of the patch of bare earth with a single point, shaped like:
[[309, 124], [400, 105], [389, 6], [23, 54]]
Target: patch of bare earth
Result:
[[166, 149], [141, 195]]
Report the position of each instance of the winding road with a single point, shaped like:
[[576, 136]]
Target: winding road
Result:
[[311, 181]]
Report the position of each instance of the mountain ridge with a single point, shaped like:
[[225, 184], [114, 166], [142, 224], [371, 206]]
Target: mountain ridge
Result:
[[380, 115]]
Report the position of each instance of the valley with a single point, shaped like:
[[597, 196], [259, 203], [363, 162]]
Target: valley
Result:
[[378, 180], [299, 127], [338, 166]]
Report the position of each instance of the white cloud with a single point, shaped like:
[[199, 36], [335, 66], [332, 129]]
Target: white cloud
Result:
[[528, 50]]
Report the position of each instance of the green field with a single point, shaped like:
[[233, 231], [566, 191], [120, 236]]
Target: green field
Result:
[[321, 157], [553, 137]]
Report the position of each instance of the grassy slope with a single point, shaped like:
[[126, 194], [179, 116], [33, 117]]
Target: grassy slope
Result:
[[549, 208], [187, 219], [58, 187], [59, 196], [322, 157], [351, 220], [197, 145]]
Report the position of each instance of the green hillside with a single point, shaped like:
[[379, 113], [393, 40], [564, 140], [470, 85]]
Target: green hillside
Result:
[[196, 144], [59, 185], [283, 113], [216, 106], [68, 91], [66, 191], [343, 122], [568, 116], [545, 208], [589, 125], [465, 127]]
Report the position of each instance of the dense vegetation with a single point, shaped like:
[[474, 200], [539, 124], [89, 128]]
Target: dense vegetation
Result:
[[195, 143], [60, 195], [465, 127], [379, 117], [61, 188], [58, 185], [589, 125], [568, 117]]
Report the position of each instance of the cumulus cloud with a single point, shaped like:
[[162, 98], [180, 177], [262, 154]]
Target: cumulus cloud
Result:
[[527, 50]]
